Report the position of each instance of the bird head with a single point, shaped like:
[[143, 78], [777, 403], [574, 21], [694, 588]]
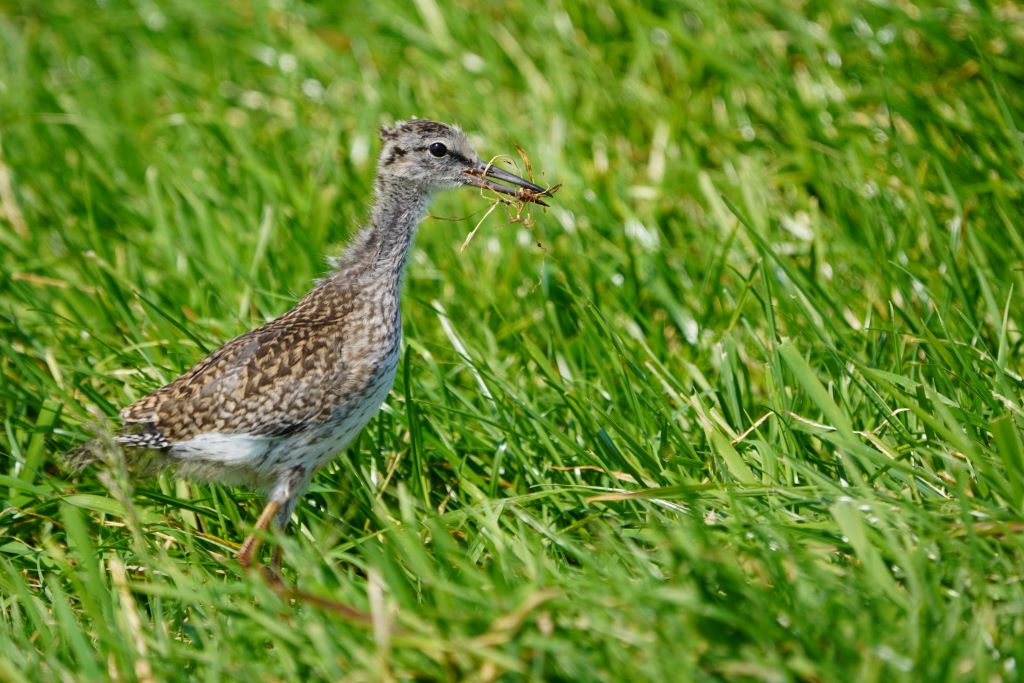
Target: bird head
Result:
[[436, 156]]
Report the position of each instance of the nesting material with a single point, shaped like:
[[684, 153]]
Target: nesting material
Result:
[[518, 201]]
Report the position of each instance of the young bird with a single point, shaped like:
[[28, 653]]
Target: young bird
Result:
[[271, 407]]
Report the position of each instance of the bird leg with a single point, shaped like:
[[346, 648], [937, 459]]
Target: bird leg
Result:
[[252, 543], [271, 572]]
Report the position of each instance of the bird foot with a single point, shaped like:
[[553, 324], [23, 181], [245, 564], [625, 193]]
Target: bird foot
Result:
[[271, 575]]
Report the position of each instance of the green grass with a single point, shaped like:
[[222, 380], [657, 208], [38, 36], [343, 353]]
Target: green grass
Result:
[[752, 410]]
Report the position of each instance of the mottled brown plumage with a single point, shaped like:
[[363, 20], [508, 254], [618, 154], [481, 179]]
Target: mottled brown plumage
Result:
[[269, 408], [272, 381]]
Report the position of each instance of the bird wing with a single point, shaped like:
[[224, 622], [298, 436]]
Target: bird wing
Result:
[[270, 381]]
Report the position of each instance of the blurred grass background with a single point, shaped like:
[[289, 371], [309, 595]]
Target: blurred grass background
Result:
[[745, 404]]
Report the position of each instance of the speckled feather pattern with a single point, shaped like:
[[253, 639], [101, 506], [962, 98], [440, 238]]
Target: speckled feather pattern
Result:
[[289, 375], [272, 406]]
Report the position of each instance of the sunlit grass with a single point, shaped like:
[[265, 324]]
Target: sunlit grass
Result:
[[745, 403]]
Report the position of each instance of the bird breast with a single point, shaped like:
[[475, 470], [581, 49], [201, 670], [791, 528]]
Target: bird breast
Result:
[[348, 418]]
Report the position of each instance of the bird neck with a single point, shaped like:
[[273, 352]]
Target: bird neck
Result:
[[379, 249]]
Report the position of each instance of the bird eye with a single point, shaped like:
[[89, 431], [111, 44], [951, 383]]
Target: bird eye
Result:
[[438, 149]]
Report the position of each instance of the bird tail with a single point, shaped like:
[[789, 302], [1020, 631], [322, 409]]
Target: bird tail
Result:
[[89, 453], [120, 450]]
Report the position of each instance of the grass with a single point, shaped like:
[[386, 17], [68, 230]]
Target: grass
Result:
[[745, 404]]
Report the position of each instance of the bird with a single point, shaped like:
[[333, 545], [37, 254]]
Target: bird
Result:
[[271, 407]]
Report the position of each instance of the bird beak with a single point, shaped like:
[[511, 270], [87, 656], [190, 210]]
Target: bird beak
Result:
[[480, 177]]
